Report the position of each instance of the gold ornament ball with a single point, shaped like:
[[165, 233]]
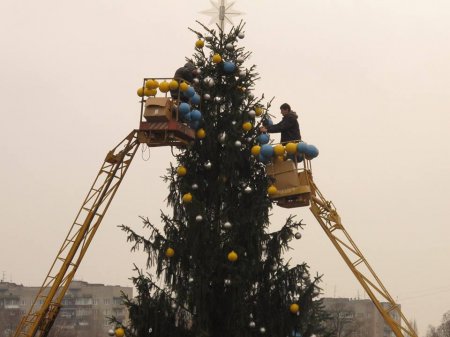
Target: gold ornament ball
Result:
[[201, 133], [164, 86], [187, 198], [170, 252], [294, 308], [152, 84], [184, 86], [247, 126], [258, 111], [278, 149], [232, 256], [199, 44], [272, 190], [256, 149], [173, 85], [140, 92], [291, 148], [119, 332], [181, 171], [216, 58], [149, 92]]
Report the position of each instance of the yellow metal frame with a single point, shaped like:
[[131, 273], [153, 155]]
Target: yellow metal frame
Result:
[[47, 303], [330, 221], [307, 193]]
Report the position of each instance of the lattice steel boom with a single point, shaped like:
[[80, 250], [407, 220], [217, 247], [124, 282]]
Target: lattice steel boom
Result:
[[329, 219], [47, 303]]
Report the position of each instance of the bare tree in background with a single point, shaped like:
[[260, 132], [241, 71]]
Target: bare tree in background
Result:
[[443, 330]]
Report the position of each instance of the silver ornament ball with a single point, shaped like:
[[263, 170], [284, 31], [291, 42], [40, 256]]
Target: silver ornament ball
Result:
[[191, 280], [206, 97], [242, 73], [174, 305], [241, 35], [240, 59], [298, 236], [248, 189], [111, 332], [194, 186], [227, 225], [222, 137], [198, 218], [195, 81], [217, 98], [207, 165], [252, 324], [229, 46], [237, 143], [252, 113], [209, 81], [262, 329]]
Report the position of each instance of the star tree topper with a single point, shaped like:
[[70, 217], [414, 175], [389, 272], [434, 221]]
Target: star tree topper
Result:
[[221, 12]]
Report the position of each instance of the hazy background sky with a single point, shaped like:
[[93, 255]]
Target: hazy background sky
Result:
[[371, 83]]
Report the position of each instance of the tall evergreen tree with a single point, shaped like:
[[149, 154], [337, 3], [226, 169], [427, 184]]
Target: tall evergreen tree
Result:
[[219, 272]]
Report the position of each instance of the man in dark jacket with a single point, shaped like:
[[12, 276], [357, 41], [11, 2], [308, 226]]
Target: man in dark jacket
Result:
[[288, 126], [185, 73]]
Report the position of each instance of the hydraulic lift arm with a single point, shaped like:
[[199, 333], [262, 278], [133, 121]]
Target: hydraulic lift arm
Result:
[[47, 303], [157, 127], [329, 219]]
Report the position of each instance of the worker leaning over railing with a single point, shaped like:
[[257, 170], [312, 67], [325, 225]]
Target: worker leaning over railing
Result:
[[288, 126]]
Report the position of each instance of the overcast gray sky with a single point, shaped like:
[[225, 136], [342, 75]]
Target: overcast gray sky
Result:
[[369, 79]]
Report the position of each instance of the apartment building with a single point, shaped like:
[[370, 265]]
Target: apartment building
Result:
[[357, 318], [85, 311]]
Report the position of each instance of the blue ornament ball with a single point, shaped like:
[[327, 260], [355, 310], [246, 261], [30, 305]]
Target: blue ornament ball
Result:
[[263, 138], [190, 92], [268, 122], [228, 67], [184, 108], [263, 159], [196, 115], [187, 117], [267, 150], [302, 147], [195, 99], [194, 124], [311, 152]]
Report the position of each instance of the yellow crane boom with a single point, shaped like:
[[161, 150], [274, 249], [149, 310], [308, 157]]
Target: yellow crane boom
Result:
[[330, 221], [47, 302], [158, 127], [296, 188]]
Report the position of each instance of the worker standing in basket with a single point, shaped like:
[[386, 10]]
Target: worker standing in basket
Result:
[[186, 73], [288, 126]]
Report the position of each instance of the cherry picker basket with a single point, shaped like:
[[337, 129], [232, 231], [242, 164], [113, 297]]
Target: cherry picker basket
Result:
[[292, 180], [159, 121]]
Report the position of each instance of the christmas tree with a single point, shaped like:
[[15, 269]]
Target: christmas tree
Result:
[[219, 271]]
